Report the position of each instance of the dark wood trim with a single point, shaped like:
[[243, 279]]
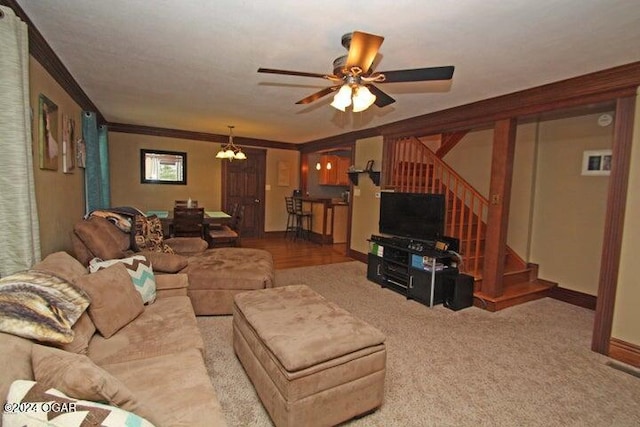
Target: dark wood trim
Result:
[[450, 140], [504, 142], [358, 256], [614, 221], [42, 52], [337, 141], [624, 352], [593, 88], [574, 297], [198, 136], [304, 173]]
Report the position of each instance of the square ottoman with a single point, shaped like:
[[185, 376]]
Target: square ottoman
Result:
[[217, 275], [311, 362]]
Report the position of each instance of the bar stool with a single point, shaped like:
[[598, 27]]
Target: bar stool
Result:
[[292, 220], [303, 218], [298, 221]]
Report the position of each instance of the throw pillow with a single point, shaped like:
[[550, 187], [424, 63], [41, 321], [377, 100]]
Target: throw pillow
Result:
[[102, 238], [166, 263], [41, 306], [77, 376], [62, 265], [114, 300], [140, 270], [62, 410], [149, 235], [83, 331]]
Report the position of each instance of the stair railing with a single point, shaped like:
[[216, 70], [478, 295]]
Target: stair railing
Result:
[[412, 167]]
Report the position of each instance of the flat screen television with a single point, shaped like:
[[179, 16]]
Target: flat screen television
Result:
[[415, 215]]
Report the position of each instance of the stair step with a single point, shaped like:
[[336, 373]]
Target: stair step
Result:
[[514, 294]]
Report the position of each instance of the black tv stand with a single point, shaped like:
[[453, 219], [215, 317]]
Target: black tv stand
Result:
[[413, 268]]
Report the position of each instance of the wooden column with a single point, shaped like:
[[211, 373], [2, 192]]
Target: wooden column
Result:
[[614, 223], [504, 142], [304, 173]]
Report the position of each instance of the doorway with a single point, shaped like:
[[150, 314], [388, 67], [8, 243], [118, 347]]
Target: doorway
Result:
[[243, 183]]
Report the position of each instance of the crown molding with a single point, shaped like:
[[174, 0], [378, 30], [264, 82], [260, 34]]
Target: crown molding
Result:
[[198, 136]]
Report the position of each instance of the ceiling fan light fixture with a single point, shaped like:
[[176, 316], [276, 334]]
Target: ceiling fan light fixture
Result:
[[362, 99], [343, 98], [229, 150]]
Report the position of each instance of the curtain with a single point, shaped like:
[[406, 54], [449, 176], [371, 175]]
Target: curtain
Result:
[[97, 166], [19, 227]]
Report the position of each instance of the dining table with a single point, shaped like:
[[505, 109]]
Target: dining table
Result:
[[211, 218]]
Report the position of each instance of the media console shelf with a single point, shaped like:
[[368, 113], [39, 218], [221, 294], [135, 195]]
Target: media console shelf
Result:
[[412, 268]]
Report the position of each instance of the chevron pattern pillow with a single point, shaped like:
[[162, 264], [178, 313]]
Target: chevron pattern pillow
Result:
[[140, 270], [30, 403]]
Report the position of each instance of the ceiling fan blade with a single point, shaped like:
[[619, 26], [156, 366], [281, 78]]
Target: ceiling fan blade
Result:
[[382, 99], [326, 91], [291, 73], [418, 74], [363, 50]]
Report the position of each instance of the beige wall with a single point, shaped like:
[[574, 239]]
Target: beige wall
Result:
[[626, 316], [203, 176], [471, 158], [203, 173], [60, 196], [276, 211], [366, 207], [569, 209]]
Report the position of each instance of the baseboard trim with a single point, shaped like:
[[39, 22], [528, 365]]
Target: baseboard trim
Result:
[[624, 352], [574, 297], [358, 256]]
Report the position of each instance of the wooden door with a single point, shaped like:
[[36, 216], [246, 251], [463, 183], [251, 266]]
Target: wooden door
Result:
[[243, 183]]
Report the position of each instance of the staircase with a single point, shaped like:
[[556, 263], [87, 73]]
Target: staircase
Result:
[[409, 166]]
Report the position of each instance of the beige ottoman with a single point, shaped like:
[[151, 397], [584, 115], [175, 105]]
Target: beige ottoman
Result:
[[311, 362], [217, 275]]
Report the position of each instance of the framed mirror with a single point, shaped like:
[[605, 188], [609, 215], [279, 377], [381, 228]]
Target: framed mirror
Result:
[[163, 167]]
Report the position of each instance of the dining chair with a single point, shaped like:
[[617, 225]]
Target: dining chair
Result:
[[188, 222], [227, 234]]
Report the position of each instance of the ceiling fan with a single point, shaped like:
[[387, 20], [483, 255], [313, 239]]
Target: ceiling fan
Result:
[[354, 77]]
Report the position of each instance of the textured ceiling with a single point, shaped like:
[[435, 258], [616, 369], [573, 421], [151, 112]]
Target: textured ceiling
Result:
[[192, 64]]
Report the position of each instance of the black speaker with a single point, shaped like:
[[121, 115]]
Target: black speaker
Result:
[[459, 292]]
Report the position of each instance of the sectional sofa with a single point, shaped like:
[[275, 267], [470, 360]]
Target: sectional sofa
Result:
[[145, 359]]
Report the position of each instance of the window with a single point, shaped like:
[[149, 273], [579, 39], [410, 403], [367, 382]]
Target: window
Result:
[[163, 167]]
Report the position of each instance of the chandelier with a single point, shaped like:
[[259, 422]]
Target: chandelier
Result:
[[230, 151]]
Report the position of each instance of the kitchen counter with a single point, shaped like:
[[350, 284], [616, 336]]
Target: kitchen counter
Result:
[[329, 219]]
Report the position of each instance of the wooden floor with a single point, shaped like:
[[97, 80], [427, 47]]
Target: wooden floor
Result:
[[288, 253]]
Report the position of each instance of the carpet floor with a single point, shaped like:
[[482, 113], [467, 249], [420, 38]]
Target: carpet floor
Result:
[[529, 365]]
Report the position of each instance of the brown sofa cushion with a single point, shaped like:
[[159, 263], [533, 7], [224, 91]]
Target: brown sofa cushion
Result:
[[164, 262], [83, 330], [62, 265], [77, 376], [114, 300], [102, 238]]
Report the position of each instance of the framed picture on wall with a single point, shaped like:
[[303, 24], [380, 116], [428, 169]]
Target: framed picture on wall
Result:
[[596, 162], [68, 144], [48, 133]]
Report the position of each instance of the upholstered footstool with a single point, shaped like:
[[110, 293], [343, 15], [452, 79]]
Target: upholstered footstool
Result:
[[217, 275], [311, 362]]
